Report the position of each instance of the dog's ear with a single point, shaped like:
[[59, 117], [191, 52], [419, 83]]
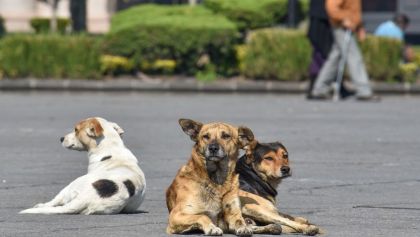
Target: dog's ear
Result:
[[94, 129], [245, 136], [117, 128], [190, 127]]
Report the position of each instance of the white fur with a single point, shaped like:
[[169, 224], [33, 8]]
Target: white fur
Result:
[[79, 197]]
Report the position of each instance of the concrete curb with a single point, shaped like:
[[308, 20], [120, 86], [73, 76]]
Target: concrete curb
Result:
[[182, 85]]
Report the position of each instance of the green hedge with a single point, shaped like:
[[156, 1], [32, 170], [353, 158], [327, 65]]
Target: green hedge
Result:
[[276, 54], [286, 54], [253, 14], [185, 34], [49, 56], [382, 57], [43, 25], [250, 14]]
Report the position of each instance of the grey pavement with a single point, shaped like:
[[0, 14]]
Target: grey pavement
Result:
[[356, 166]]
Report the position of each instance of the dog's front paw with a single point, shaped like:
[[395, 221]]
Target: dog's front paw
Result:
[[274, 229], [244, 231], [311, 230], [213, 230]]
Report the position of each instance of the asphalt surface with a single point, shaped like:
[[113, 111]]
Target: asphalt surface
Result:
[[356, 166]]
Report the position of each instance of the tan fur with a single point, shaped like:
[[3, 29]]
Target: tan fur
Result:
[[197, 203], [87, 130], [264, 211]]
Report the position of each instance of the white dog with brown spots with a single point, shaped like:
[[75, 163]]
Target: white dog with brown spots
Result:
[[114, 182]]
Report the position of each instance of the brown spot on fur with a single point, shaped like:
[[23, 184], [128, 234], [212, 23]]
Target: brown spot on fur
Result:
[[91, 125], [87, 131], [96, 127]]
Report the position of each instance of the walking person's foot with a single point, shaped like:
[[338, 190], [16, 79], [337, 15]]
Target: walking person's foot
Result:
[[318, 97], [368, 98]]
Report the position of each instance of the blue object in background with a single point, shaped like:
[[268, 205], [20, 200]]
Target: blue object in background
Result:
[[391, 30]]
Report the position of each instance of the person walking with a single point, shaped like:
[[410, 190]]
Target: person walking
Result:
[[321, 39], [344, 15]]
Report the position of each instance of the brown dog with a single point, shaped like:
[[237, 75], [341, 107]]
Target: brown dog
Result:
[[204, 193], [261, 170]]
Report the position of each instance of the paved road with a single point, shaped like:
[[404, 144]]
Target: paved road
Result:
[[356, 165]]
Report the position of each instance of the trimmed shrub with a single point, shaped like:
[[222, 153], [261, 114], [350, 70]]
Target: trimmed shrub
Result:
[[43, 25], [162, 66], [275, 54], [286, 54], [49, 56], [250, 14], [114, 65], [382, 57], [150, 32], [2, 28]]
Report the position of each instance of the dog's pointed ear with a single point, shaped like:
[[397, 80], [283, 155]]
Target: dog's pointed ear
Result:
[[190, 127], [94, 129], [245, 136], [117, 128]]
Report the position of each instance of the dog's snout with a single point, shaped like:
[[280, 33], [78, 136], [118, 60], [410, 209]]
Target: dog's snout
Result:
[[214, 148], [61, 139], [285, 170]]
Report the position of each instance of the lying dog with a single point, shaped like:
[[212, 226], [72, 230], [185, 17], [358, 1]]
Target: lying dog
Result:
[[114, 182], [204, 193], [261, 170]]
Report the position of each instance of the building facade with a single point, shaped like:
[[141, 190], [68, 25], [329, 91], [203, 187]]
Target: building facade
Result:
[[18, 13]]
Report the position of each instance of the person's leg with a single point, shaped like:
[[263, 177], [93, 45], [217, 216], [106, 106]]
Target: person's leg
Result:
[[328, 72], [357, 70], [314, 69]]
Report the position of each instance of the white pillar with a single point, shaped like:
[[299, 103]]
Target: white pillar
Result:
[[98, 15], [17, 14]]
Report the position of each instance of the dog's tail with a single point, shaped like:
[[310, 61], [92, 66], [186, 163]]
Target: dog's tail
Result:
[[73, 207]]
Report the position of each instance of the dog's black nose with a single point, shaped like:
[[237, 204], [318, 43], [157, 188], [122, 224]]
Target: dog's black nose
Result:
[[285, 170], [61, 139], [214, 148]]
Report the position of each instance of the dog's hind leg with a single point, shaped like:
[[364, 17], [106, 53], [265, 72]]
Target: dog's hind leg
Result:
[[66, 195], [74, 207], [265, 214], [58, 200]]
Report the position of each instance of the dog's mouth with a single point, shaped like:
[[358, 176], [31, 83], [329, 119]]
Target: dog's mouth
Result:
[[69, 147], [283, 176], [215, 158]]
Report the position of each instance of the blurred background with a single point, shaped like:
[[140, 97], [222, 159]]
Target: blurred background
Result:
[[207, 39]]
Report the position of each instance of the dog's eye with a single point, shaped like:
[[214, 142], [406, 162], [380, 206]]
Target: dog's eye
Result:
[[75, 130], [225, 136], [269, 158], [206, 136], [285, 155]]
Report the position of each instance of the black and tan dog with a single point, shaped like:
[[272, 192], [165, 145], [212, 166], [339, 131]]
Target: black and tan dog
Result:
[[261, 170], [204, 193]]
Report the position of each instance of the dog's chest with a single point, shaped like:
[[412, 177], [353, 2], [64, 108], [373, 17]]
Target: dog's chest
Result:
[[211, 199]]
